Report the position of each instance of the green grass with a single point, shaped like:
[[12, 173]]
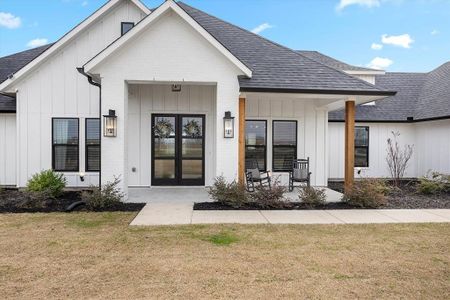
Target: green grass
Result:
[[223, 239], [98, 255]]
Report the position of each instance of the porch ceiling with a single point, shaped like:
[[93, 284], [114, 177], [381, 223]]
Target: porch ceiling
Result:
[[329, 102]]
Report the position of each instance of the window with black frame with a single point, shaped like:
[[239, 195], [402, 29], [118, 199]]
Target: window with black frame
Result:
[[125, 27], [92, 145], [255, 144], [65, 144], [284, 143], [361, 146]]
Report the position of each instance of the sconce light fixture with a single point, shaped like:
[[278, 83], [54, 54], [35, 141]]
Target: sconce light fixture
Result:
[[110, 124], [228, 125]]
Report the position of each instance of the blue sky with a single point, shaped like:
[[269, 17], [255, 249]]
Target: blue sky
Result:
[[397, 35]]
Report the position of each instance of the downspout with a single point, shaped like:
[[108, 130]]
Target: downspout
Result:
[[92, 82]]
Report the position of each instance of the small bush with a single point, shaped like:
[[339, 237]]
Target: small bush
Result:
[[367, 193], [311, 196], [108, 196], [434, 183], [48, 183], [232, 194], [270, 198]]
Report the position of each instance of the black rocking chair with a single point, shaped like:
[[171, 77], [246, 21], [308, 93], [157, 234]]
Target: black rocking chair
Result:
[[254, 175], [300, 173]]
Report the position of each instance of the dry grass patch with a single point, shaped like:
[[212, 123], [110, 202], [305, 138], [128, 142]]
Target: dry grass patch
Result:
[[97, 255]]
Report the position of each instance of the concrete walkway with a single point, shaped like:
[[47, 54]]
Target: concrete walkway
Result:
[[182, 214]]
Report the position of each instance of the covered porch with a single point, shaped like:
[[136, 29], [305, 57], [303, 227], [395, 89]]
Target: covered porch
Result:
[[190, 195]]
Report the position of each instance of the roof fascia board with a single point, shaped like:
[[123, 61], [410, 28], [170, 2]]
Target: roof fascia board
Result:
[[66, 38], [318, 91], [96, 60], [142, 6]]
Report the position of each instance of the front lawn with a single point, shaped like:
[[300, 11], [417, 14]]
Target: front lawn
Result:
[[97, 255]]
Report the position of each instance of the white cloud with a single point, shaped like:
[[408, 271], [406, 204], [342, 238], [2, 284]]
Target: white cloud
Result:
[[380, 63], [262, 27], [367, 3], [403, 40], [376, 46], [37, 43], [84, 3], [9, 20], [434, 32]]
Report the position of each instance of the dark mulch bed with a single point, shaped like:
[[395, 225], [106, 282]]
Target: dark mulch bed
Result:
[[404, 197], [12, 201], [293, 206]]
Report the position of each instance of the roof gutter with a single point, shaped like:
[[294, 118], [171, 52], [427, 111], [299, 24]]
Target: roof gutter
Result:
[[318, 91], [410, 121], [92, 82]]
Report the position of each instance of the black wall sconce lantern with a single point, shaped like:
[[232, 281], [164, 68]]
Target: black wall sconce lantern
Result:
[[228, 125], [110, 124]]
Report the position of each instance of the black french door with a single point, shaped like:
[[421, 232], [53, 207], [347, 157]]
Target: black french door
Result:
[[178, 149]]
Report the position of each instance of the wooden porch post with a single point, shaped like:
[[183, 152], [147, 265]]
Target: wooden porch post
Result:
[[241, 163], [349, 144]]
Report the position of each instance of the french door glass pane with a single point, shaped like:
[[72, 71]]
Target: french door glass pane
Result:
[[164, 127], [164, 168], [164, 147], [192, 169], [192, 148], [192, 127]]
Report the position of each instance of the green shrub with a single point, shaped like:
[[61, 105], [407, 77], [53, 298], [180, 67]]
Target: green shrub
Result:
[[49, 183], [266, 198], [108, 196], [311, 196], [434, 183], [367, 193], [232, 194]]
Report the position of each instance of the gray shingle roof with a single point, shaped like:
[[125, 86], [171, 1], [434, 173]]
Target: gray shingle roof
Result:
[[11, 64], [329, 61], [276, 67], [419, 95]]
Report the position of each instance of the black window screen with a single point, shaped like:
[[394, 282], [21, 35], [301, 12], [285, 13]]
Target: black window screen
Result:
[[284, 141]]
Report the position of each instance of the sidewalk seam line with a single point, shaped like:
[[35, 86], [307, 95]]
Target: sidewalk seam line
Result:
[[264, 217], [432, 212], [336, 217]]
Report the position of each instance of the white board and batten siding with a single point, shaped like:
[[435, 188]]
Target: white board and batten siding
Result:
[[7, 149], [433, 146], [147, 99], [431, 141], [311, 130], [56, 90]]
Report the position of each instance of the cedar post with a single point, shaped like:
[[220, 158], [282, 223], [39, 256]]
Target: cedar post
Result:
[[349, 144], [241, 163]]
